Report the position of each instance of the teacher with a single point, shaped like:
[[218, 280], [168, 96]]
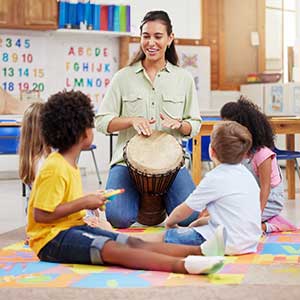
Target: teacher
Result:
[[152, 93]]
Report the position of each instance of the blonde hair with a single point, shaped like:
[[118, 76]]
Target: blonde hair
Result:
[[231, 141], [32, 146]]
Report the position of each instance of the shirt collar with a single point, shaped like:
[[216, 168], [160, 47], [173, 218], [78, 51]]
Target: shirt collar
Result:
[[139, 67]]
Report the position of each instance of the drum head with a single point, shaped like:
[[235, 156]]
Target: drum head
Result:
[[156, 154]]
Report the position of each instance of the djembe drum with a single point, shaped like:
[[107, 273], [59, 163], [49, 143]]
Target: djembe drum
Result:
[[153, 163]]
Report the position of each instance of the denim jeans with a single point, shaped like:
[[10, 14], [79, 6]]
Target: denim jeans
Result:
[[80, 245], [122, 211], [184, 236]]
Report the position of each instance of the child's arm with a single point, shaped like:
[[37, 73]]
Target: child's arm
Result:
[[180, 213], [91, 201], [264, 171]]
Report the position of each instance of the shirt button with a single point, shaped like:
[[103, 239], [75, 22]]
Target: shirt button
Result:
[[153, 89], [158, 75], [152, 103]]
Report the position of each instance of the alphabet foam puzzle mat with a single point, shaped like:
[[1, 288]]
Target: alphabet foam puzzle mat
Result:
[[19, 267]]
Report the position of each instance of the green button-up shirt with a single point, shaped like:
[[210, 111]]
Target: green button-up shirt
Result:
[[132, 94]]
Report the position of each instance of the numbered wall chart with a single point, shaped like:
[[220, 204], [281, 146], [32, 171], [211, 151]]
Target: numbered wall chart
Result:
[[22, 63]]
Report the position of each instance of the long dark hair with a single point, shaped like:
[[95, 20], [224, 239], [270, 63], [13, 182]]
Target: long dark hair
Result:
[[249, 115], [170, 53]]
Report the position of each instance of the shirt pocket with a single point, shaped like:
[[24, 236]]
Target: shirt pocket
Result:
[[133, 106], [173, 105]]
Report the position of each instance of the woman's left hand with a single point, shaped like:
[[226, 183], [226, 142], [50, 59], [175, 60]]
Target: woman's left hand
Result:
[[170, 122]]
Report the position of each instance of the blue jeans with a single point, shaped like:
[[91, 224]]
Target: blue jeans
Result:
[[79, 245], [184, 236], [122, 211]]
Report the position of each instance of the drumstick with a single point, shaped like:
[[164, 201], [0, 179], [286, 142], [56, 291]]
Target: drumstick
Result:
[[110, 193]]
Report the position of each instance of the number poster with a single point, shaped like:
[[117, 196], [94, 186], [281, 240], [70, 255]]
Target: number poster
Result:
[[22, 64]]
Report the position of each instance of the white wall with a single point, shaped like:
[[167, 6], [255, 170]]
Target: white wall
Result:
[[185, 16]]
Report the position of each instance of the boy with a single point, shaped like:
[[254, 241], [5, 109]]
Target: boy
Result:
[[57, 206], [230, 194]]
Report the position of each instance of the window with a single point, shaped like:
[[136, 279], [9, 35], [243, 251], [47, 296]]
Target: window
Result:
[[280, 34]]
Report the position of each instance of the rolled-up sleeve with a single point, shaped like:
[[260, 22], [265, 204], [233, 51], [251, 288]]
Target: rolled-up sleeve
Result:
[[110, 107], [191, 111]]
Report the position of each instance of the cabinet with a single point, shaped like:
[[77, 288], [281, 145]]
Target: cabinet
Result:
[[28, 14]]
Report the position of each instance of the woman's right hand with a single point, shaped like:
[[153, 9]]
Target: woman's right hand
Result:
[[142, 125]]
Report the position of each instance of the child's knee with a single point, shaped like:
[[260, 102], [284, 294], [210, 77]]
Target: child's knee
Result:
[[119, 220]]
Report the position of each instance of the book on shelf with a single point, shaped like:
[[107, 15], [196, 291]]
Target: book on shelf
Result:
[[110, 17], [95, 8], [104, 17], [128, 16], [116, 22], [122, 18]]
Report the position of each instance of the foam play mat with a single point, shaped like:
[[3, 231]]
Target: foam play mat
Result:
[[19, 267]]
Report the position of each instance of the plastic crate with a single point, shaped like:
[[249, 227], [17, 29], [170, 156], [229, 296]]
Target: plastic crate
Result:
[[9, 138]]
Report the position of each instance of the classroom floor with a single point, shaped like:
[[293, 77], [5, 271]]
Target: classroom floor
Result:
[[262, 281]]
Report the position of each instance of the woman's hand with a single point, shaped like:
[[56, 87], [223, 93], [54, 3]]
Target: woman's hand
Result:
[[169, 122], [142, 125]]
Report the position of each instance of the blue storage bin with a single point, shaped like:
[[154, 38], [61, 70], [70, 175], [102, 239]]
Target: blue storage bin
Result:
[[9, 138]]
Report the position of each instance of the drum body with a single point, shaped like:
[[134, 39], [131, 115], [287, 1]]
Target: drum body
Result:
[[153, 164]]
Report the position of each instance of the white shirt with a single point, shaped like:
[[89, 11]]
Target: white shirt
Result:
[[231, 196]]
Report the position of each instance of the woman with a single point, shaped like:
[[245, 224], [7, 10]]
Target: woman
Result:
[[151, 93]]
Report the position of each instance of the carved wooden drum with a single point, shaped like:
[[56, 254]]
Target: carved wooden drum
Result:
[[153, 164]]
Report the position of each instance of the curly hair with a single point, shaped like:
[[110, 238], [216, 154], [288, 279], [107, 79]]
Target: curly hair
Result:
[[65, 117], [248, 114]]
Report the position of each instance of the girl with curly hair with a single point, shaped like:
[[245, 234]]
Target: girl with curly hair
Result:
[[261, 161]]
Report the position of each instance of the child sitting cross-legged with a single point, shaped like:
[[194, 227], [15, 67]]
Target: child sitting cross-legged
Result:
[[230, 194], [57, 205]]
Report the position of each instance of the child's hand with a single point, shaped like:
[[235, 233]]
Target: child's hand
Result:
[[94, 201], [169, 225], [200, 222]]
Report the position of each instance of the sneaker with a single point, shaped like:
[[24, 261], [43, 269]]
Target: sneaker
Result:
[[195, 264], [278, 224], [216, 245]]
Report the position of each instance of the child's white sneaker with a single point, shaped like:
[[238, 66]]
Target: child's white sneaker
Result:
[[195, 264], [216, 245]]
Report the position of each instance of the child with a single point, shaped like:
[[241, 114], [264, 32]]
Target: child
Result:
[[228, 192], [32, 149], [261, 161], [57, 206], [32, 154]]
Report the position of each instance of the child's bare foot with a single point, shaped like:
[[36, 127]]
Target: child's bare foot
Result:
[[96, 222], [26, 242]]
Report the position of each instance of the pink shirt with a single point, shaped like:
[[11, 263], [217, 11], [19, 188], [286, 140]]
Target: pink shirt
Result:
[[259, 157]]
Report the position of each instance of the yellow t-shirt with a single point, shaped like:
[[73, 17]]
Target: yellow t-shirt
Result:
[[57, 182]]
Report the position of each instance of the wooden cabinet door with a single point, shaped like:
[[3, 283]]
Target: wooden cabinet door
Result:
[[40, 14], [11, 13]]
